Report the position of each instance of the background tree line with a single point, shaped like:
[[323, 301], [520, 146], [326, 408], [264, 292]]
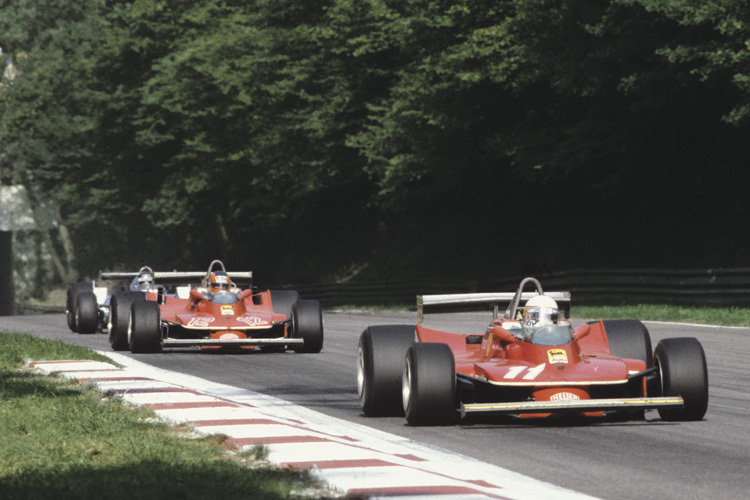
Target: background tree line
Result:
[[322, 140]]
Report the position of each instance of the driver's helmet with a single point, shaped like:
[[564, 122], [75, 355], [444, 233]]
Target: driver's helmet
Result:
[[539, 311], [218, 281], [144, 282]]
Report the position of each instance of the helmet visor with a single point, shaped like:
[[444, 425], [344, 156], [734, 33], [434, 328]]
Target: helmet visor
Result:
[[220, 281], [540, 315], [144, 281]]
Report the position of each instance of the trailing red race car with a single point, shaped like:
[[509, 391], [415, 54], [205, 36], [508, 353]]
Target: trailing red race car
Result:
[[528, 363], [215, 314]]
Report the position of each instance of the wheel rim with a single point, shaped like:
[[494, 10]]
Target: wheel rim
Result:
[[406, 385], [360, 373]]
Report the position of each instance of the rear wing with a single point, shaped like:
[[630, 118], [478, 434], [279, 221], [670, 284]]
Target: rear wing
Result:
[[464, 302], [180, 278]]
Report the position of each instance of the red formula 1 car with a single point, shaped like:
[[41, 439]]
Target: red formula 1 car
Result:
[[528, 363], [215, 314]]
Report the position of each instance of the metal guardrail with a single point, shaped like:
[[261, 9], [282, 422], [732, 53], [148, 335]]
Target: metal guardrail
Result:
[[715, 287], [712, 287], [729, 287]]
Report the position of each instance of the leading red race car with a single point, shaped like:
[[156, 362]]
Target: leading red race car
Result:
[[528, 363], [215, 314]]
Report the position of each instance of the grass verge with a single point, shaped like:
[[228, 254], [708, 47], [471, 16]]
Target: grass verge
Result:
[[721, 316], [61, 440]]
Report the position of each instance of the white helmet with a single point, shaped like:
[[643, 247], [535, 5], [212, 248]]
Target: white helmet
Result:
[[540, 310], [145, 281]]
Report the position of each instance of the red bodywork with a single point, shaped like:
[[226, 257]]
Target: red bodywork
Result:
[[206, 322], [530, 362], [509, 375]]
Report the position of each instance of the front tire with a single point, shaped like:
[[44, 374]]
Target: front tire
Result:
[[307, 324], [86, 313], [380, 366], [683, 372], [429, 385], [144, 334], [70, 304], [119, 318]]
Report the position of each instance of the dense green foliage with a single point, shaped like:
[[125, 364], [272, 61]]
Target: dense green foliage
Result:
[[320, 139]]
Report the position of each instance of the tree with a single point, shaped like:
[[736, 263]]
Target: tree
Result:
[[318, 138]]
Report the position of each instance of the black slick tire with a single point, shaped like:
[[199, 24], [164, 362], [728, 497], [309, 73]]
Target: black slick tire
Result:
[[380, 367], [70, 304], [629, 338], [429, 385], [282, 301], [144, 334], [683, 372], [119, 318], [86, 312], [307, 324]]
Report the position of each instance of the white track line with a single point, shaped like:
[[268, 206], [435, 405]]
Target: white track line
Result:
[[348, 457]]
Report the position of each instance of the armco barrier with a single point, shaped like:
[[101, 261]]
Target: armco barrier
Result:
[[712, 287], [715, 287]]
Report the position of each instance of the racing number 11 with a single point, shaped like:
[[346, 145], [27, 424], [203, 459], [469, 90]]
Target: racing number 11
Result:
[[531, 374]]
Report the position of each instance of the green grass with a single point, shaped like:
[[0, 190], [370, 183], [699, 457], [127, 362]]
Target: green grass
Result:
[[59, 439], [723, 316]]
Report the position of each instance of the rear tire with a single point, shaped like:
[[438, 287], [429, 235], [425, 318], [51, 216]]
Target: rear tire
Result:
[[629, 338], [307, 324], [429, 385], [70, 304], [86, 313], [380, 367], [683, 372], [119, 318], [282, 301], [144, 334]]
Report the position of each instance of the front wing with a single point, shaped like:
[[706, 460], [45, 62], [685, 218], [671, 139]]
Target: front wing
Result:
[[573, 406], [173, 342], [220, 342]]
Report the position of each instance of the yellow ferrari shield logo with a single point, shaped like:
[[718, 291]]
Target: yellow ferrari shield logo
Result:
[[557, 356], [227, 311]]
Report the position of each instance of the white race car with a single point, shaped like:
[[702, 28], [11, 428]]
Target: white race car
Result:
[[88, 301]]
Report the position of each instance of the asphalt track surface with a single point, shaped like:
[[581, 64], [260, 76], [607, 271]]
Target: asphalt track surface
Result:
[[651, 459]]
